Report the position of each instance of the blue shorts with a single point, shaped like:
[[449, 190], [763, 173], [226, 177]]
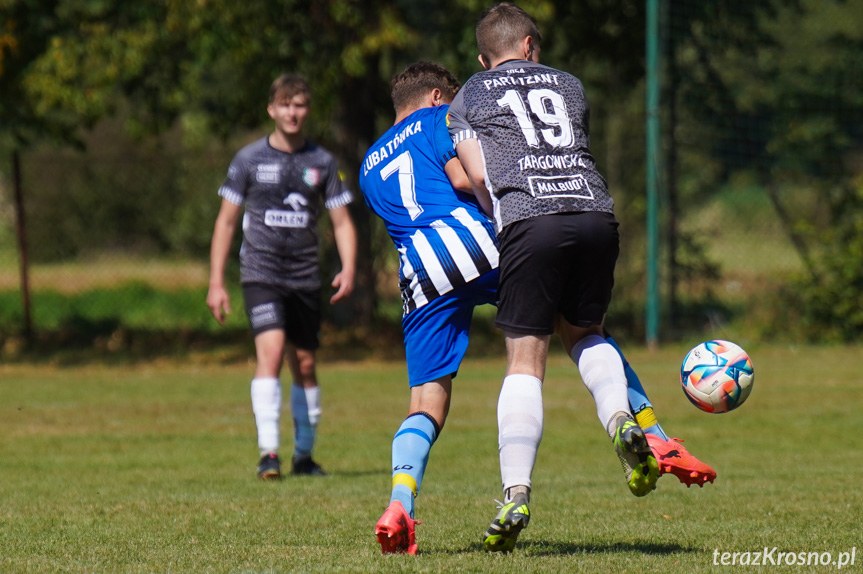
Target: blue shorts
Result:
[[436, 334]]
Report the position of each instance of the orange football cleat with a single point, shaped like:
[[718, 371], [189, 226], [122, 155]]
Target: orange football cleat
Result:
[[396, 530], [673, 458]]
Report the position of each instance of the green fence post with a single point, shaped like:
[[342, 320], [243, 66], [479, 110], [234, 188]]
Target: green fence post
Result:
[[652, 168]]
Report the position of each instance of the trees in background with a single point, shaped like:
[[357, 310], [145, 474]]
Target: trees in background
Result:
[[764, 92], [770, 89], [206, 66]]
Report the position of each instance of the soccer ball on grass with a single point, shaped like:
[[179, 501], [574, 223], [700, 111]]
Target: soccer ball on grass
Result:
[[717, 376]]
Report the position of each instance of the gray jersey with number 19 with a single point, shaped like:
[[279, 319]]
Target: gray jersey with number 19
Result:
[[532, 123]]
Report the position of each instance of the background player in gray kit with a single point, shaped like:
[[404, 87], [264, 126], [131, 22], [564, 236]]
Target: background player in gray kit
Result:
[[280, 180], [521, 132]]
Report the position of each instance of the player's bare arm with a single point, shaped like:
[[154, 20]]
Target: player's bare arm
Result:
[[470, 156], [218, 300], [457, 176], [346, 244]]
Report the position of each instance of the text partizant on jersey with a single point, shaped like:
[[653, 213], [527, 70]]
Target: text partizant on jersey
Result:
[[520, 81]]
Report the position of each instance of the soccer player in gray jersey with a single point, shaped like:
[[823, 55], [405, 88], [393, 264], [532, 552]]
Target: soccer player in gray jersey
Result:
[[280, 180], [521, 132]]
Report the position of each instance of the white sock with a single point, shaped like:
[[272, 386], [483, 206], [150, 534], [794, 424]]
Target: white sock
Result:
[[267, 406], [602, 372], [306, 410], [519, 423], [313, 400]]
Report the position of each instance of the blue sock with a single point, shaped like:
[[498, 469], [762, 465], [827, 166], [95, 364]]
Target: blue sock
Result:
[[305, 410], [411, 447], [638, 400]]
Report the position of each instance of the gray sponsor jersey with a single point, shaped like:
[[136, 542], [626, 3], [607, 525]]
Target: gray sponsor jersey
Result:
[[282, 194], [532, 123]]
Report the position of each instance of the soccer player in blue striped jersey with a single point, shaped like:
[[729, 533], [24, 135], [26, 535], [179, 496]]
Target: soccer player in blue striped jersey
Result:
[[448, 257]]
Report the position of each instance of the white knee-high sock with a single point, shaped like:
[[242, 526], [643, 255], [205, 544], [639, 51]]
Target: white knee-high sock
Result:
[[519, 423], [267, 406], [306, 411], [602, 372]]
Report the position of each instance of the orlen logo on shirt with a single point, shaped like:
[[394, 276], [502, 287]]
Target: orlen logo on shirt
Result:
[[284, 218], [267, 173]]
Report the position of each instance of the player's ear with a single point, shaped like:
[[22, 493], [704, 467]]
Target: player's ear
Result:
[[271, 110], [483, 62], [527, 48], [436, 97]]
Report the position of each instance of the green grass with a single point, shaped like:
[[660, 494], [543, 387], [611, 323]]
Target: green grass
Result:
[[151, 469]]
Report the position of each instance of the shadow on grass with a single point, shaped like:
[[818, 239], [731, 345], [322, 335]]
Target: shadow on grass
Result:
[[81, 340], [552, 548], [359, 473]]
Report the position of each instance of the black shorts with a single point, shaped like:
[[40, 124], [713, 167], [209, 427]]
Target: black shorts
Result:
[[556, 264], [297, 313]]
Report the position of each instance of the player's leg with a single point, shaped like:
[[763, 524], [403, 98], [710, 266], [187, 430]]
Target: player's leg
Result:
[[412, 443], [592, 246], [519, 409], [638, 401], [670, 453], [528, 298], [601, 370], [305, 409], [520, 426], [266, 395], [264, 310], [303, 320], [436, 339]]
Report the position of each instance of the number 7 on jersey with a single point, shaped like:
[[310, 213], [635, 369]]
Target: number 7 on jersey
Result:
[[404, 165]]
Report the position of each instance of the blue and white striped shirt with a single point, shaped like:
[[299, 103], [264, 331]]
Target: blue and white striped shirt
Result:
[[442, 237]]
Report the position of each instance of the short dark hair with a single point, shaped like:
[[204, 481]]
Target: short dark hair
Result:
[[410, 86], [501, 28], [287, 86]]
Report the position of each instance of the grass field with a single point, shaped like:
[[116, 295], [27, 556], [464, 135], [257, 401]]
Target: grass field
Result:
[[150, 468]]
